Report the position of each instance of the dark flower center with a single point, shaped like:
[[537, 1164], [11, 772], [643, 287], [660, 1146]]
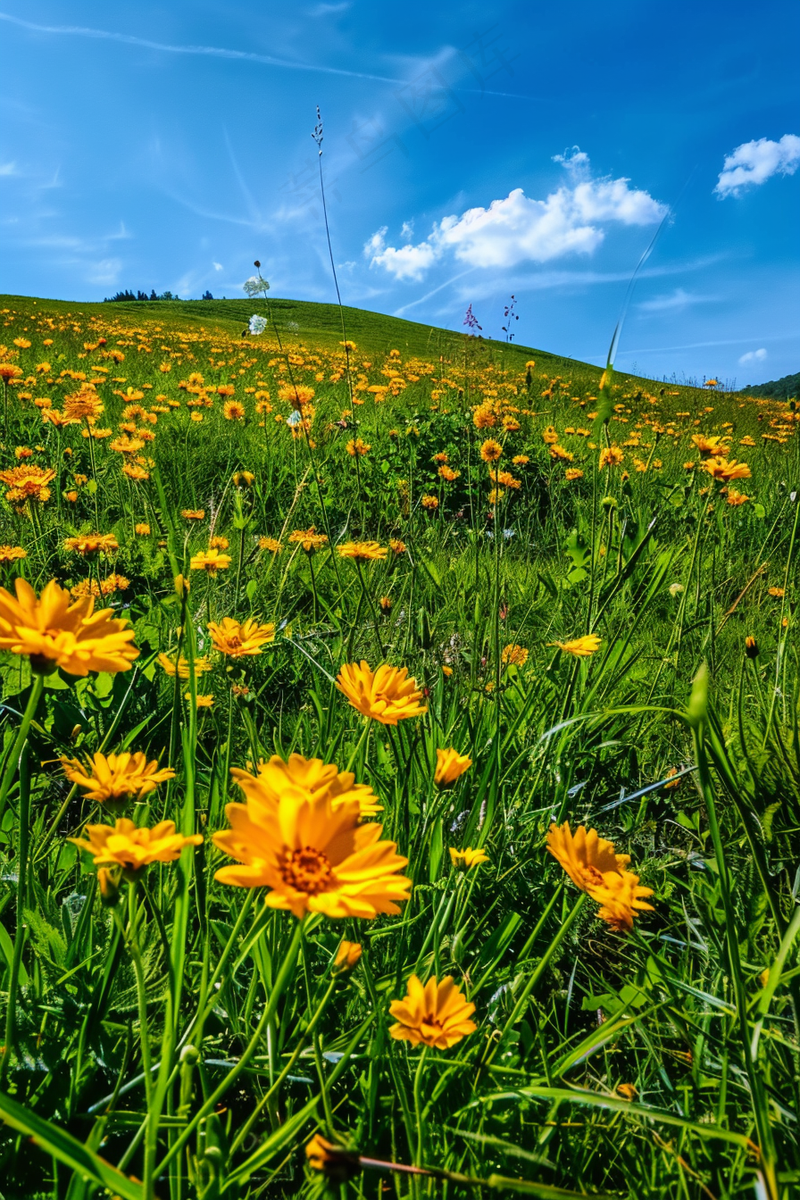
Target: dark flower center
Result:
[[307, 870]]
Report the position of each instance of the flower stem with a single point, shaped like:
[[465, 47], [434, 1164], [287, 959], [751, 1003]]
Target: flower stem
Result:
[[22, 734], [19, 934]]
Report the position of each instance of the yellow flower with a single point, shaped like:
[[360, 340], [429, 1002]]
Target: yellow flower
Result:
[[135, 472], [244, 478], [777, 592], [233, 410], [514, 655], [299, 835], [142, 529], [53, 632], [308, 539], [435, 1014], [92, 543], [202, 701], [581, 647], [218, 543], [271, 544], [430, 502], [386, 694], [587, 858], [347, 956], [357, 447], [397, 546], [193, 514], [28, 482], [367, 551], [335, 1162], [450, 765], [726, 469], [181, 667], [491, 450], [10, 554], [735, 498], [116, 776], [610, 456], [83, 406], [240, 640], [462, 860], [621, 899], [572, 473], [309, 779], [751, 647], [708, 445], [210, 561], [132, 848]]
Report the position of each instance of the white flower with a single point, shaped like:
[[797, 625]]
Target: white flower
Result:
[[675, 589], [293, 419], [254, 286], [257, 324]]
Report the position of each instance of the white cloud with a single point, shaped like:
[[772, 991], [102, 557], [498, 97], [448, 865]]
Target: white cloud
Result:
[[520, 229], [575, 160], [675, 300], [753, 356], [409, 262], [754, 162], [104, 273], [9, 168], [218, 266]]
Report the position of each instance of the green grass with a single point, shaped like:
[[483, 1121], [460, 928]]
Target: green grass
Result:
[[694, 1014]]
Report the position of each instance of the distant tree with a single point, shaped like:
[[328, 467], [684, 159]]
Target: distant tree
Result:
[[168, 296], [141, 295], [153, 295], [207, 296], [786, 388]]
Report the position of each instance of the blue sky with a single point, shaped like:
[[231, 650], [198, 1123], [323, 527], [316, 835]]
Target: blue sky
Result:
[[471, 153]]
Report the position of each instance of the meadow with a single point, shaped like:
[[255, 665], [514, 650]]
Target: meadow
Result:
[[400, 791]]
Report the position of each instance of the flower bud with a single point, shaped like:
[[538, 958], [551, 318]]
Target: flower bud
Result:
[[347, 956], [108, 881]]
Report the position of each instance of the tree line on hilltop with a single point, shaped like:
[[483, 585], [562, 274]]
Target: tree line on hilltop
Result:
[[129, 295]]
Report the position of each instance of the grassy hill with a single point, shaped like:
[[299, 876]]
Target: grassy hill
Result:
[[305, 321], [428, 779], [785, 388]]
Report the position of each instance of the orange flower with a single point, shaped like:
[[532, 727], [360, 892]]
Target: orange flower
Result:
[[131, 848], [53, 632], [387, 694], [587, 858], [434, 1014], [300, 836], [491, 450], [240, 640], [450, 765]]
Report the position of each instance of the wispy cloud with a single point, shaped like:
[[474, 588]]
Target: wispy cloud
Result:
[[329, 10], [679, 299], [9, 168], [753, 356], [128, 39]]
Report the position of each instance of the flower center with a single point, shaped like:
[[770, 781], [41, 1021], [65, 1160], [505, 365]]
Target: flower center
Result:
[[308, 870], [591, 876]]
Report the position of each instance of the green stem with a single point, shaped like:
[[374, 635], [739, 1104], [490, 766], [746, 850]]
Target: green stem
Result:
[[22, 733], [269, 1012], [19, 933]]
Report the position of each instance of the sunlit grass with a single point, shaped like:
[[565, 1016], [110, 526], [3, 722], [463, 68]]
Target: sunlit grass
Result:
[[384, 626]]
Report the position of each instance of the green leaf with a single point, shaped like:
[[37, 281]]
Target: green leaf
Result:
[[68, 1150]]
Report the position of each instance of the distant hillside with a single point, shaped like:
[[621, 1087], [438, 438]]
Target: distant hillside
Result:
[[778, 389]]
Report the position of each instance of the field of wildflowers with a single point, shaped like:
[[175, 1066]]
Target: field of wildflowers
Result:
[[400, 791]]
